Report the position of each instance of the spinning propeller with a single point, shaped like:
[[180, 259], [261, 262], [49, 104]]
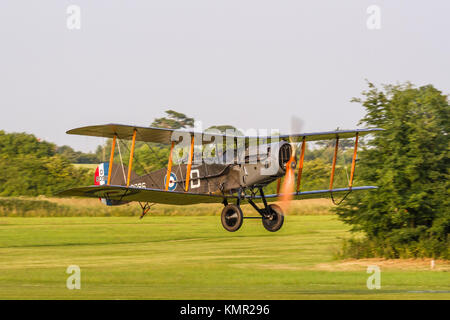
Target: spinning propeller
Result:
[[287, 188]]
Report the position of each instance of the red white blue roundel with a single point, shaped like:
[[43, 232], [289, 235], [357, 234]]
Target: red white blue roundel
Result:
[[172, 181]]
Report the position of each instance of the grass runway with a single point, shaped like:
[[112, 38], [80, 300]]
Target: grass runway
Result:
[[192, 257]]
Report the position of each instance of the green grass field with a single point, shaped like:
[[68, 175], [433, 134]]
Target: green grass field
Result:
[[194, 258]]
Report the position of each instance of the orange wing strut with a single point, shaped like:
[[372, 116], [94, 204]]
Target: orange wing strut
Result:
[[353, 161], [334, 163], [130, 163], [111, 158], [300, 166], [188, 172], [169, 166], [278, 185]]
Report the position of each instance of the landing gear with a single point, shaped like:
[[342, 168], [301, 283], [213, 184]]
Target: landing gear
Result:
[[232, 217], [273, 220], [272, 216]]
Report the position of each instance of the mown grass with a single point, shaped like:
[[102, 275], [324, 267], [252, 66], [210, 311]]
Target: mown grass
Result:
[[191, 257], [77, 207]]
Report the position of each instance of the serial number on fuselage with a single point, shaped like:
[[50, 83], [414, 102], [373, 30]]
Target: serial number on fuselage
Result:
[[140, 185]]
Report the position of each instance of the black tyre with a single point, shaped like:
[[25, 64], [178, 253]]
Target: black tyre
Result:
[[274, 219], [232, 217]]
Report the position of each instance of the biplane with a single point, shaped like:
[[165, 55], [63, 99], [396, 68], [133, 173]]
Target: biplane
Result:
[[230, 177]]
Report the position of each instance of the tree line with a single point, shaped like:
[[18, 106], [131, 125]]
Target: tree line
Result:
[[30, 167]]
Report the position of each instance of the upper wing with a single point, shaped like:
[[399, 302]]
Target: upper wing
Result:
[[122, 193], [166, 136], [328, 135], [315, 194], [148, 134]]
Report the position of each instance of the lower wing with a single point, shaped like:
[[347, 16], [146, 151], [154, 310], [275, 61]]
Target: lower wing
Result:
[[122, 193], [127, 194], [314, 194]]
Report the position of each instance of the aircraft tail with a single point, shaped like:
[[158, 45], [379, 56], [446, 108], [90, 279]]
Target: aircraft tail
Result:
[[101, 174], [118, 178]]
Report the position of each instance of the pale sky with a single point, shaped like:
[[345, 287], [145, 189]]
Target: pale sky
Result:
[[251, 64]]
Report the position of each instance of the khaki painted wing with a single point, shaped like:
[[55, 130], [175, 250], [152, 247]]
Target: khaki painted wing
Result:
[[166, 136], [122, 193], [314, 194]]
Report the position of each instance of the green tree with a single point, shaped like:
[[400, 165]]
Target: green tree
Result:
[[409, 216], [173, 120], [223, 129], [32, 167], [77, 156], [29, 175], [13, 144]]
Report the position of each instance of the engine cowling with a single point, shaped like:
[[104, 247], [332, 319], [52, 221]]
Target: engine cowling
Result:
[[271, 163]]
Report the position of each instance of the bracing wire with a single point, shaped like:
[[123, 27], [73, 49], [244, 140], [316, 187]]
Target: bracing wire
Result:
[[121, 162], [348, 181], [142, 166]]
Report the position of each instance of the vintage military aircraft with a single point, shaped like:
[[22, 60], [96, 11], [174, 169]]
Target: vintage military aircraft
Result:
[[231, 177]]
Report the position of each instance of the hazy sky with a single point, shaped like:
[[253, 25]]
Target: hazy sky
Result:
[[252, 64]]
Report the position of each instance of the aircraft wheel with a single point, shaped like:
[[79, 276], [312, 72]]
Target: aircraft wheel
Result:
[[274, 220], [232, 217]]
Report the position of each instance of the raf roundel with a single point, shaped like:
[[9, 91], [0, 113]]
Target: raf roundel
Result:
[[172, 181]]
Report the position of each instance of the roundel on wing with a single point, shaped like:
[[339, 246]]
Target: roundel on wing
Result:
[[172, 181]]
